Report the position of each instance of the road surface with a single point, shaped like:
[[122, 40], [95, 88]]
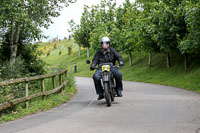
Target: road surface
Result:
[[144, 108]]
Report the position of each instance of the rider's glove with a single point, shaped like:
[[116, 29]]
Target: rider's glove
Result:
[[121, 63], [92, 67]]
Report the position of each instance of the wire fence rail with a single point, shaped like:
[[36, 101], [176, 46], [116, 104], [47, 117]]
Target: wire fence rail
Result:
[[62, 82]]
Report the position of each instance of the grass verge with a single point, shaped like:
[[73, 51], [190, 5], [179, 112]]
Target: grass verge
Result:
[[54, 60], [175, 76], [39, 104], [158, 74]]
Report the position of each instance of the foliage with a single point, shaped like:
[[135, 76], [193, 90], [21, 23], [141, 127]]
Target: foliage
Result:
[[146, 25], [39, 104], [96, 22], [164, 26], [190, 42], [27, 52], [69, 50], [130, 34], [13, 70], [72, 27], [26, 14], [22, 21], [158, 74]]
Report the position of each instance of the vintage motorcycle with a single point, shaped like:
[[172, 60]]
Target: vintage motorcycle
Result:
[[108, 81]]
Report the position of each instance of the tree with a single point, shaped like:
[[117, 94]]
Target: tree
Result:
[[145, 30], [85, 29], [96, 21], [77, 37], [104, 16], [74, 34], [164, 26], [189, 40], [72, 26], [130, 34], [27, 16]]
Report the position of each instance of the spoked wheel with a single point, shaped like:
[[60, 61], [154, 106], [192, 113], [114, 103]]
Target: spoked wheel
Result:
[[107, 94]]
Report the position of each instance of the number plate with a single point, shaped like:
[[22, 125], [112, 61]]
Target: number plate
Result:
[[106, 68]]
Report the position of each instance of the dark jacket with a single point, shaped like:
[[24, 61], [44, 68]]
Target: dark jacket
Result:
[[102, 56]]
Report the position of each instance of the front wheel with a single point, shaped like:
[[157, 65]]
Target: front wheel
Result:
[[107, 94]]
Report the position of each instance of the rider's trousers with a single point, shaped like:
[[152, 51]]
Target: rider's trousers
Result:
[[97, 80]]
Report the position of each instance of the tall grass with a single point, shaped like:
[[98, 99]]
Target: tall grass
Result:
[[175, 76]]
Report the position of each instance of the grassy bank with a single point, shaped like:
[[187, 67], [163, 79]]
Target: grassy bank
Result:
[[175, 76], [59, 58], [38, 104]]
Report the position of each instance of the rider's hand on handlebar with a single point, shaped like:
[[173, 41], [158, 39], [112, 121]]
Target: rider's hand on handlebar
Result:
[[121, 63], [92, 67]]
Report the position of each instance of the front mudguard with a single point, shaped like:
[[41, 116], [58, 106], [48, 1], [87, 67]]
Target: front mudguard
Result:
[[105, 78]]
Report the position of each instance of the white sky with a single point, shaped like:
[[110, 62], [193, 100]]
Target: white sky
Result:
[[73, 11]]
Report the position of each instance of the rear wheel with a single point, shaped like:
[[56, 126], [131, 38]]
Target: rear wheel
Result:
[[107, 94]]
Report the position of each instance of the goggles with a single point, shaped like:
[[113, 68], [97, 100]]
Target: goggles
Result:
[[105, 43]]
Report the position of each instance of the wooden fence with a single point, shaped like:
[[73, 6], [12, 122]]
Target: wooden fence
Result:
[[25, 81]]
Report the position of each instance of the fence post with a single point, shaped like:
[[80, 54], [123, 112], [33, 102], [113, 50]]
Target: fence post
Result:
[[75, 67], [60, 81], [43, 88], [26, 93], [26, 81], [53, 82], [65, 74]]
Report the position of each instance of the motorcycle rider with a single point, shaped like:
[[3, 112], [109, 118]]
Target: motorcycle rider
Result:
[[106, 54]]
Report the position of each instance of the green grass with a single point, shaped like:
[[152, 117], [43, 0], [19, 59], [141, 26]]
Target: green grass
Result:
[[38, 104], [53, 100], [175, 76]]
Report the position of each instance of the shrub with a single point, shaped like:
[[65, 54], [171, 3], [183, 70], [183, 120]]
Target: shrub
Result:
[[13, 70], [69, 50], [28, 52], [60, 52], [48, 53]]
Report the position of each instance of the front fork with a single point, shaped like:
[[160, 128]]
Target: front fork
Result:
[[108, 77]]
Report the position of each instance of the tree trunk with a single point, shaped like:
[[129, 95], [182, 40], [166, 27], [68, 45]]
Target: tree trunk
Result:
[[88, 52], [14, 43], [130, 59], [79, 52], [11, 41], [17, 33], [150, 58], [186, 61], [168, 61]]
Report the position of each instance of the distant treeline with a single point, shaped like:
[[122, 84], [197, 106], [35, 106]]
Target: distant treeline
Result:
[[146, 25]]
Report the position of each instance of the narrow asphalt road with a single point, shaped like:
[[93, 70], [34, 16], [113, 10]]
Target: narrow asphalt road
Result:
[[145, 108]]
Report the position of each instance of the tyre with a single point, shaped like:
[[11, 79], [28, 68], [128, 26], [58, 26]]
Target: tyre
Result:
[[107, 94]]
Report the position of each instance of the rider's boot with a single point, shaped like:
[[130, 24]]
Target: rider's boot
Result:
[[119, 93], [101, 96]]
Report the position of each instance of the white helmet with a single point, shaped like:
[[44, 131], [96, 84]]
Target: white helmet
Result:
[[105, 40]]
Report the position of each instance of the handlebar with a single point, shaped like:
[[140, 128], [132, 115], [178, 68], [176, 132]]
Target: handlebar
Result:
[[99, 67]]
